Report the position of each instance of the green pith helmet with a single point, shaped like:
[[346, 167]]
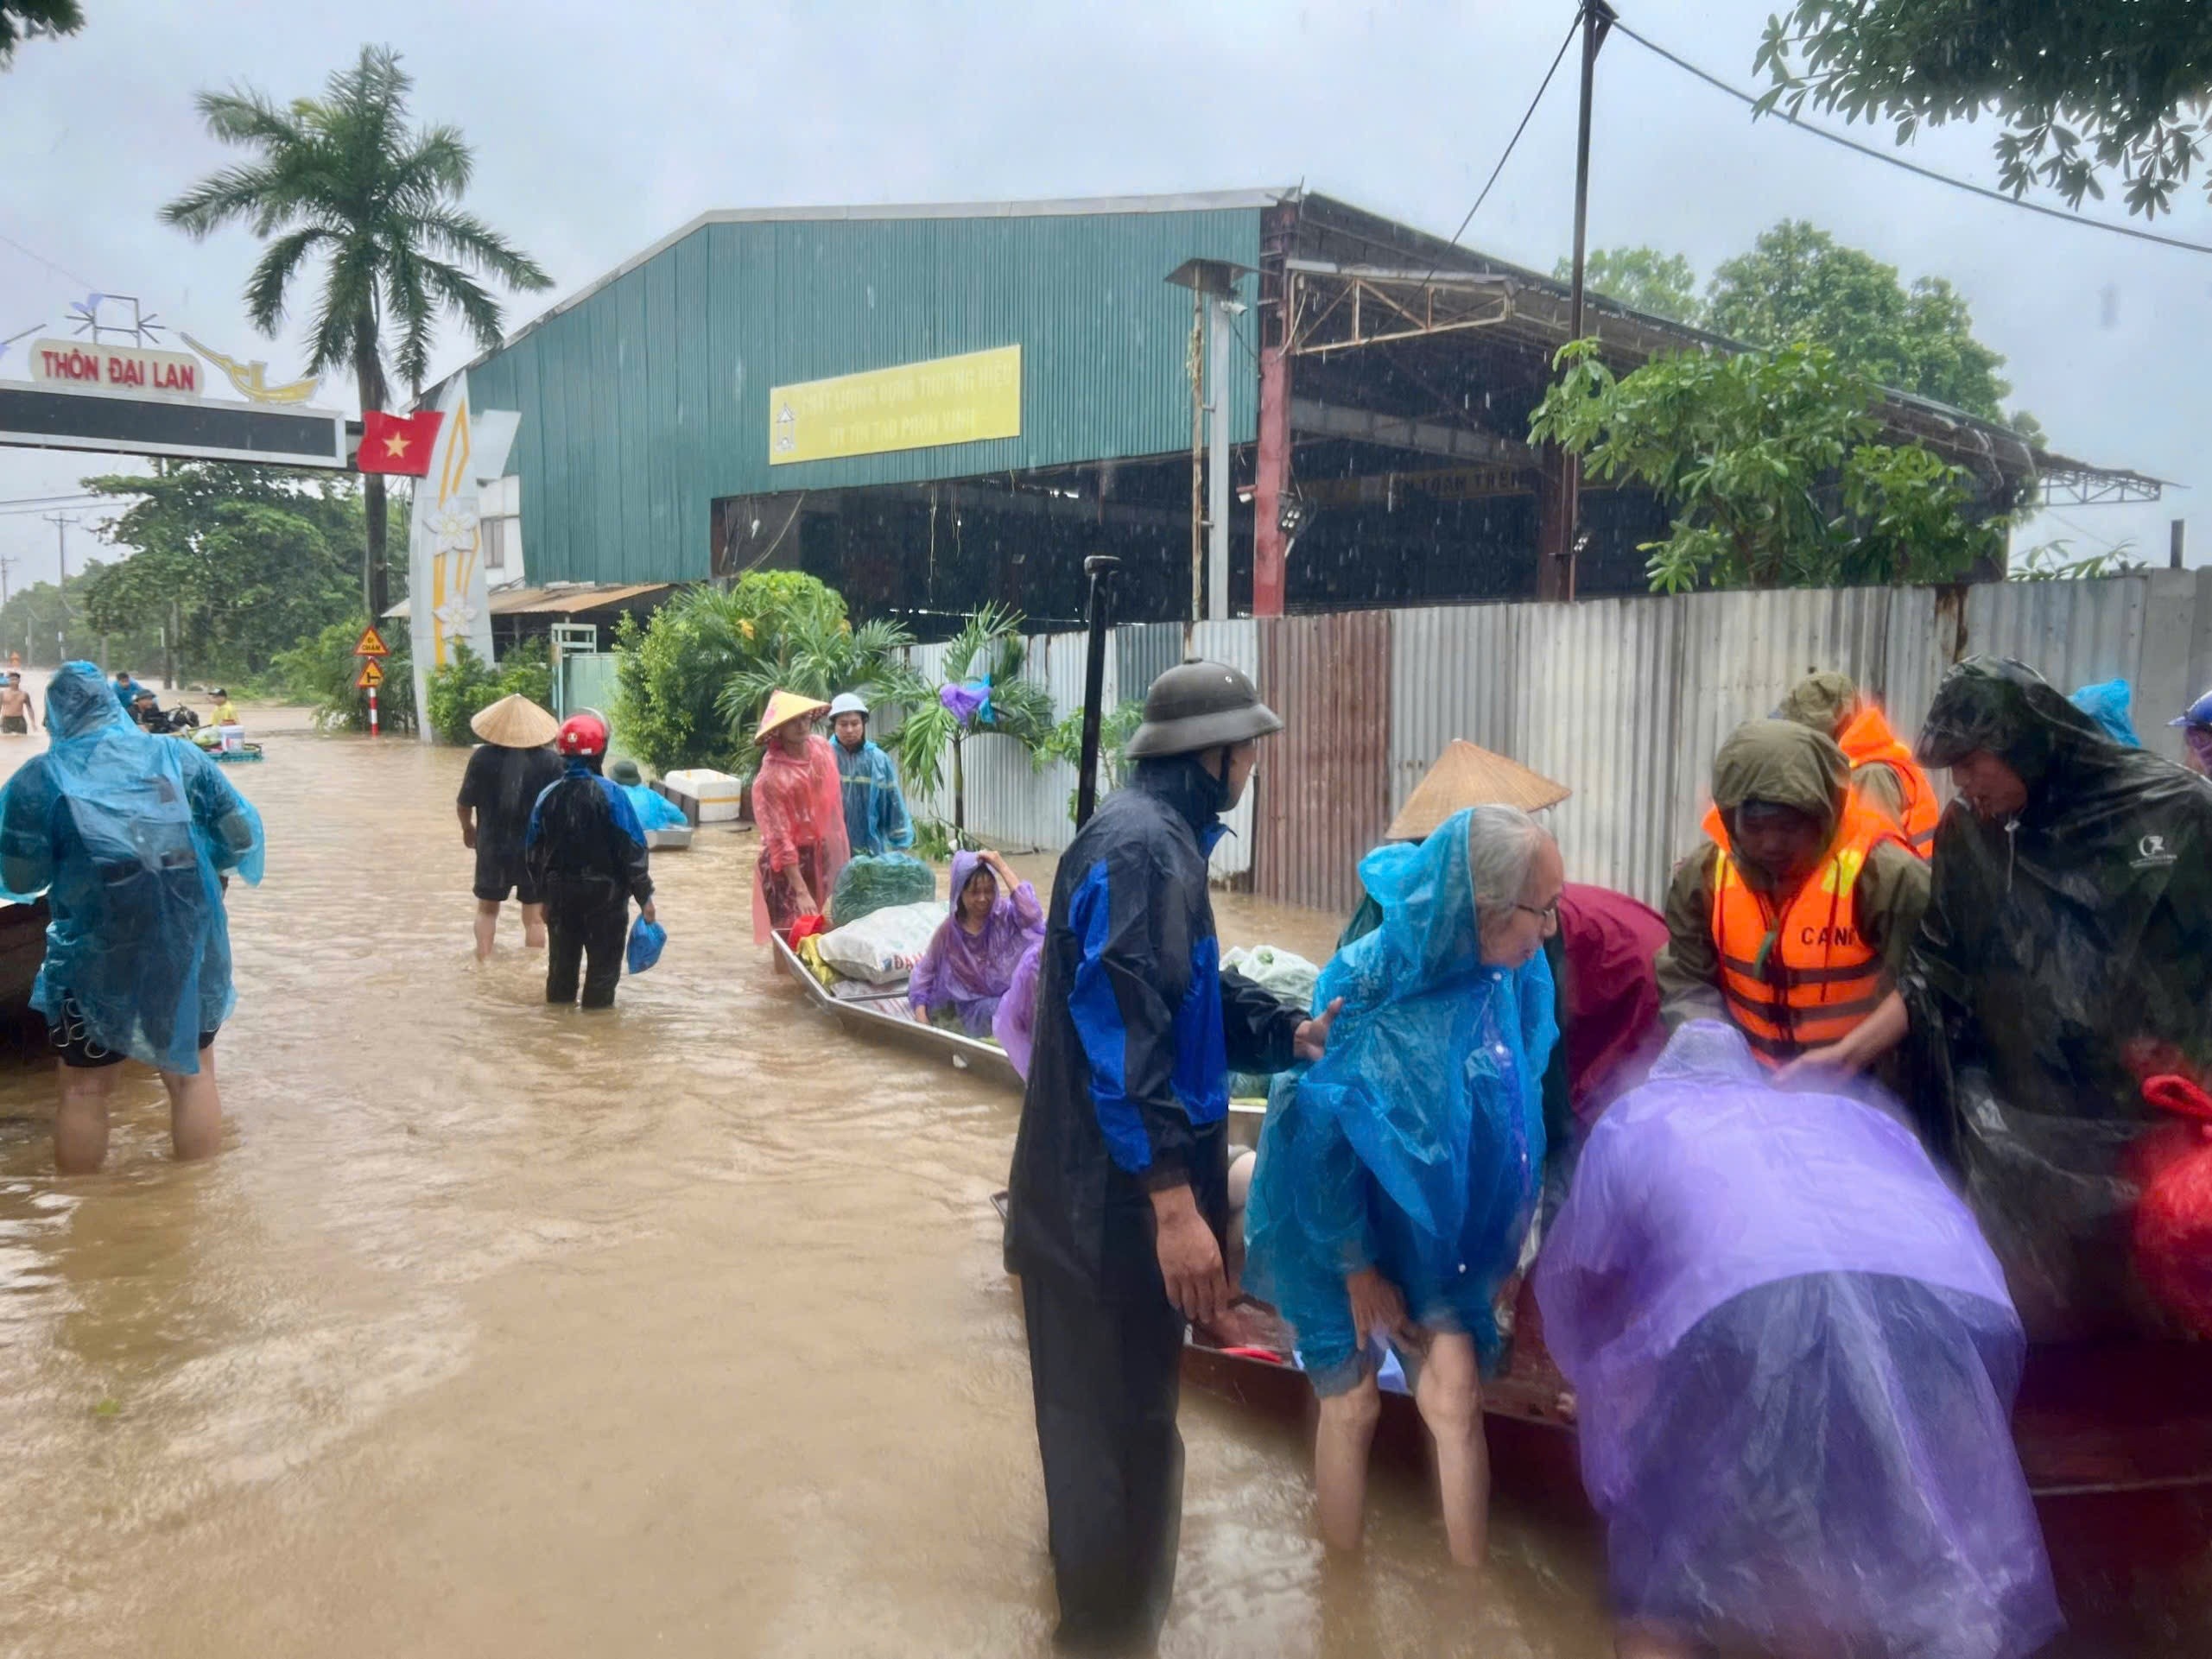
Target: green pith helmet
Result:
[[1198, 705]]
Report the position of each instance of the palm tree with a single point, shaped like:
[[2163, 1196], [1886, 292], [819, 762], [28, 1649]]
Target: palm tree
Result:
[[818, 654], [988, 646], [344, 176]]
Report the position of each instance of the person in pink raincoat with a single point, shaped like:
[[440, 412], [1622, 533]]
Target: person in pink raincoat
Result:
[[799, 805]]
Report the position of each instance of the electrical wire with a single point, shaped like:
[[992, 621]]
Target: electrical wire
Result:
[[1543, 87], [1971, 188], [87, 283]]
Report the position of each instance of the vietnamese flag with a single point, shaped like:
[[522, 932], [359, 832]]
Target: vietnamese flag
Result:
[[399, 443]]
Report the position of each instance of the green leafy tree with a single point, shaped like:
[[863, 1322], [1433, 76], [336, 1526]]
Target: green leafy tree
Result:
[[2085, 89], [1644, 279], [988, 646], [1799, 283], [1116, 727], [241, 562], [1770, 462], [321, 672], [671, 672], [29, 20], [345, 178], [465, 685], [2055, 561], [36, 615]]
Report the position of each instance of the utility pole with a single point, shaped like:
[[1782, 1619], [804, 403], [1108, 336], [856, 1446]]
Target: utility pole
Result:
[[6, 566], [1556, 575], [62, 521]]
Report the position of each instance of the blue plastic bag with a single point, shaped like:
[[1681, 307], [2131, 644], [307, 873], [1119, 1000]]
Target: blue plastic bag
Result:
[[2106, 703], [646, 938]]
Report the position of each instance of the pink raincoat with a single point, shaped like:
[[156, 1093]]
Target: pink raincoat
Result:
[[799, 805]]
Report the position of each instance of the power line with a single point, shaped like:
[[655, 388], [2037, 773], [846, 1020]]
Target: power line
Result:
[[1558, 57], [60, 270], [1914, 168]]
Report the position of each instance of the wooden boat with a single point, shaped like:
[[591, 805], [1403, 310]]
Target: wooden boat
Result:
[[881, 1012], [22, 950]]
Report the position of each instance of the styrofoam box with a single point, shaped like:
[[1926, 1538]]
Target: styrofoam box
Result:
[[718, 796]]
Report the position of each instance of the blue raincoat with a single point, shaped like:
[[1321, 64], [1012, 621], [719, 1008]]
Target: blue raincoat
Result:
[[2106, 703], [875, 812], [654, 811], [128, 834], [1415, 1145]]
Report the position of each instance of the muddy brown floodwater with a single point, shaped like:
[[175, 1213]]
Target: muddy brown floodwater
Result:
[[496, 1329]]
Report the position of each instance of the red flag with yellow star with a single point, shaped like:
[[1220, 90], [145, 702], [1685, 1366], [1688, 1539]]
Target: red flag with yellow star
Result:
[[399, 443]]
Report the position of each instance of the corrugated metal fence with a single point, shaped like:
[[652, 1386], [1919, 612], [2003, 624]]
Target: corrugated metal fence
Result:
[[1625, 701]]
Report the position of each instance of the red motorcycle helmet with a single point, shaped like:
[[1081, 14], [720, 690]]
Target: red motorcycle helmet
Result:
[[583, 734]]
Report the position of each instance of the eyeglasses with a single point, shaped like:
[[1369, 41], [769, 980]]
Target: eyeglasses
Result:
[[1548, 912]]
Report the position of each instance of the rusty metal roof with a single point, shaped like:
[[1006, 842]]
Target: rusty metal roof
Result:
[[563, 599]]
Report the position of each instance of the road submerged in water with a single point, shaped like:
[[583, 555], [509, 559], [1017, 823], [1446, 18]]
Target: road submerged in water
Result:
[[498, 1328]]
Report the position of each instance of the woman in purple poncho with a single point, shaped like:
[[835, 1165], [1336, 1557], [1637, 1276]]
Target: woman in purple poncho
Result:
[[1794, 1362], [970, 963]]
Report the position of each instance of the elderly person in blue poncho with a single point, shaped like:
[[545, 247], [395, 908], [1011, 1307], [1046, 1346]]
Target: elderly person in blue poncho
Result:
[[129, 836], [1397, 1177]]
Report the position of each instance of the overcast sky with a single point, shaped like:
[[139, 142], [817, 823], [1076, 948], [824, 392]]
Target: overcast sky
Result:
[[598, 130]]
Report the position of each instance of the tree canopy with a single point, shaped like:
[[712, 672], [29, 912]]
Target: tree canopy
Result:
[[249, 560], [2085, 89], [1644, 279], [27, 20], [1799, 283], [1770, 462]]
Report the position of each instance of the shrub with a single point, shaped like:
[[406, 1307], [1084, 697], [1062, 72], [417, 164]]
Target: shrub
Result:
[[320, 671]]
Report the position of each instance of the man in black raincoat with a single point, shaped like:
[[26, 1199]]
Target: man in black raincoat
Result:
[[1119, 1190], [2066, 955]]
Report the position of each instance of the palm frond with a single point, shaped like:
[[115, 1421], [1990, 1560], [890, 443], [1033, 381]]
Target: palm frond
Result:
[[463, 237], [345, 316], [458, 291], [237, 193], [273, 274], [407, 303]]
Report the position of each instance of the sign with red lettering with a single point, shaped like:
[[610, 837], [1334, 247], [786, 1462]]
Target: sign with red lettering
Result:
[[372, 643], [88, 365]]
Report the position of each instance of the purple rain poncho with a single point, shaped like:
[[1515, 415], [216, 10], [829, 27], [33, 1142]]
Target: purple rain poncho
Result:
[[969, 972], [1015, 1022], [1794, 1361]]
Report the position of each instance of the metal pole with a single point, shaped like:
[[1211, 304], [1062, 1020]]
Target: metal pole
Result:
[[60, 523], [1197, 453], [1597, 19], [2174, 542], [1101, 567], [1217, 463]]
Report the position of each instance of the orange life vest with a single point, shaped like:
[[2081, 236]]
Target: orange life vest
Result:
[[1821, 976], [1868, 741]]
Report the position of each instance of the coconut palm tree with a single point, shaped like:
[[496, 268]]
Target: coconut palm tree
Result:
[[345, 177]]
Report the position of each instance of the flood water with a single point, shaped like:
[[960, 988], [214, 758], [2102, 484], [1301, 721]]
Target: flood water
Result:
[[499, 1329]]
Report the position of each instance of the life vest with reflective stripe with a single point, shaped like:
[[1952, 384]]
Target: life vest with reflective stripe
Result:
[[1868, 741], [1821, 976]]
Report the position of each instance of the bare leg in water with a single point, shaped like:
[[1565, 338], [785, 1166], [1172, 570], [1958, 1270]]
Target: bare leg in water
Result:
[[487, 927], [534, 927], [195, 1110], [80, 1125], [1340, 1448], [1450, 1393]]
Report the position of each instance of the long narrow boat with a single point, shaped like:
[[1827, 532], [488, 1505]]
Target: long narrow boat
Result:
[[881, 1012]]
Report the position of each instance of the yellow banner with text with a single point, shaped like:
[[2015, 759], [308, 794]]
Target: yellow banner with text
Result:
[[914, 406]]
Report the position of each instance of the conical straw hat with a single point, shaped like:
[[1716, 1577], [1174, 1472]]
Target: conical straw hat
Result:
[[786, 705], [1465, 774], [514, 722]]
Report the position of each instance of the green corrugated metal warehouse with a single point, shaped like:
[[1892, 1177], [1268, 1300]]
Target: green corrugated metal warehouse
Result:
[[645, 399], [1378, 397]]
